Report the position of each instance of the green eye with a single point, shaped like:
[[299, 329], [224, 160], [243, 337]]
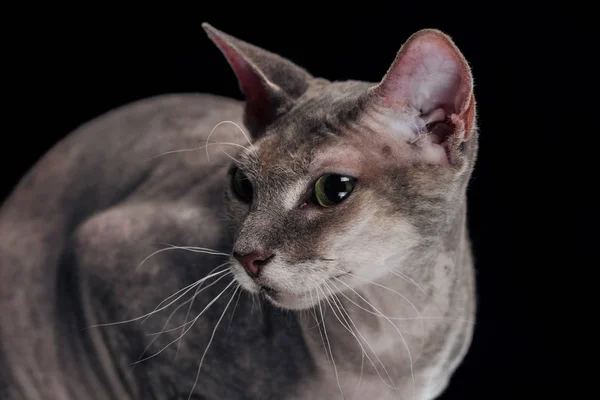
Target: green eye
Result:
[[330, 190]]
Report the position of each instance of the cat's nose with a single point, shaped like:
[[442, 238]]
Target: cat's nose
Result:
[[253, 261]]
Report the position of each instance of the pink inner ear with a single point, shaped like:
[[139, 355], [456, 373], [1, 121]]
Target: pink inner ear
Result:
[[429, 75], [425, 102], [252, 83]]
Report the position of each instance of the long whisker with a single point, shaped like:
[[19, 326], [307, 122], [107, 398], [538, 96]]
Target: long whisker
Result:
[[314, 314], [164, 326], [329, 345], [234, 308], [227, 143], [194, 149], [349, 329], [190, 309], [156, 309], [210, 341], [335, 299], [192, 249], [219, 124], [260, 305], [157, 335], [190, 300], [383, 287], [404, 318], [392, 385], [410, 280], [196, 249], [172, 152], [253, 297], [392, 323], [187, 289], [191, 324], [178, 327], [241, 130], [362, 365], [393, 291]]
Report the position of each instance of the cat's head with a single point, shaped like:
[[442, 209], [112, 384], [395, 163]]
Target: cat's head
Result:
[[346, 181]]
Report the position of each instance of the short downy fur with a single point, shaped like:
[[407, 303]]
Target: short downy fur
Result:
[[184, 246]]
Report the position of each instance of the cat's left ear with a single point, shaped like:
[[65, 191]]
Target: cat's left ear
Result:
[[431, 80], [269, 82]]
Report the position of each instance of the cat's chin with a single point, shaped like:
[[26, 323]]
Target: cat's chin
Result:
[[286, 300], [279, 298]]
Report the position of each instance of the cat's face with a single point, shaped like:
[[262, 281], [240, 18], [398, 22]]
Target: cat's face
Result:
[[343, 182]]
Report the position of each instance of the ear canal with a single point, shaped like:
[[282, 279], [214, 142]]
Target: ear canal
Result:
[[269, 82], [431, 78]]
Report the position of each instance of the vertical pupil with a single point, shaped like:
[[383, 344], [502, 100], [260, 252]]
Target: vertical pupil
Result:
[[336, 187], [243, 187], [243, 184]]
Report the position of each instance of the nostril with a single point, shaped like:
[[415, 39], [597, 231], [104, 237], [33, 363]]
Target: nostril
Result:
[[253, 261], [261, 262]]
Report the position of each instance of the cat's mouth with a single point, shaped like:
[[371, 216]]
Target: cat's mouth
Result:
[[280, 297]]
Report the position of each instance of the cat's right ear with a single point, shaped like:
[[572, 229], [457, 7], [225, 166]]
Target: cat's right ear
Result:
[[269, 82], [431, 81]]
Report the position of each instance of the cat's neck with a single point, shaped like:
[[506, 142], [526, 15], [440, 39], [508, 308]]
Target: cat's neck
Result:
[[398, 317]]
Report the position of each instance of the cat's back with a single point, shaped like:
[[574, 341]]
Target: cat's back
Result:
[[112, 153], [149, 151]]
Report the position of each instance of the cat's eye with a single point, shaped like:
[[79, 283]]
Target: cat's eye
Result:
[[241, 185], [332, 189]]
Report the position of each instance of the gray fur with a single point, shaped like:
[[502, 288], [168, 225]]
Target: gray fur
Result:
[[75, 229]]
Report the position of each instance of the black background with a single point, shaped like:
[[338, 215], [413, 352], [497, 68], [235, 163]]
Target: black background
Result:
[[75, 67]]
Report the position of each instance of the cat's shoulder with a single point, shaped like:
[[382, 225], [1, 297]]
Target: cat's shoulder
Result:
[[167, 101], [187, 100], [132, 133], [116, 150]]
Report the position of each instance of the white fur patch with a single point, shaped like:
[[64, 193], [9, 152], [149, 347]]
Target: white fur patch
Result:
[[293, 193]]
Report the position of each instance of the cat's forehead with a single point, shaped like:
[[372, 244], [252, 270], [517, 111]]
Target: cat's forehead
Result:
[[315, 132], [279, 155]]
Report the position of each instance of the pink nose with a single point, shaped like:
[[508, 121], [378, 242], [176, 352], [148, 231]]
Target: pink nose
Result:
[[253, 261]]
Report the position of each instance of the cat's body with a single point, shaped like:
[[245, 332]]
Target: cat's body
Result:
[[75, 230]]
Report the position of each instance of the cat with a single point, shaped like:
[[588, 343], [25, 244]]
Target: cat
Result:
[[308, 242]]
